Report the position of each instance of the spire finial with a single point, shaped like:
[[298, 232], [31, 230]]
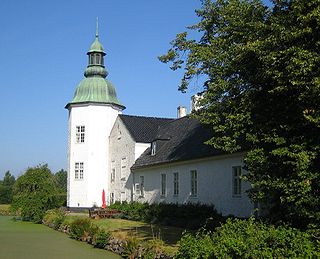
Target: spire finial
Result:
[[97, 28]]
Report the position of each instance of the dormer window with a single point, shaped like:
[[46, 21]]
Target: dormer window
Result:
[[153, 148]]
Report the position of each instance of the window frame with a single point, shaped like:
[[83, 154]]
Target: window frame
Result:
[[194, 183], [163, 184], [236, 182], [141, 178], [176, 184], [80, 134], [123, 168]]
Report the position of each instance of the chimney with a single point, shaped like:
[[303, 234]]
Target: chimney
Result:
[[181, 111]]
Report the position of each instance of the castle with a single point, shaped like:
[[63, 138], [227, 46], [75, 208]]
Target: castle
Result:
[[146, 159]]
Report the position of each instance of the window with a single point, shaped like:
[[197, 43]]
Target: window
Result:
[[81, 170], [111, 198], [119, 132], [236, 181], [153, 148], [123, 171], [175, 184], [137, 188], [141, 185], [163, 184], [78, 170], [80, 130], [194, 183], [113, 171]]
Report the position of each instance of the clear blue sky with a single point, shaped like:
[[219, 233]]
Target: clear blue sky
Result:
[[43, 47]]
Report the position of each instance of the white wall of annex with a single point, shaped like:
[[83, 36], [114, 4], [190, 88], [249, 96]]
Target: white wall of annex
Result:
[[214, 185]]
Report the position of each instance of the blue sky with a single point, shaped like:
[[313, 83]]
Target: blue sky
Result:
[[43, 47]]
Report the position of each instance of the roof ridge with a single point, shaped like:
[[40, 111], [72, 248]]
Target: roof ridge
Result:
[[149, 117]]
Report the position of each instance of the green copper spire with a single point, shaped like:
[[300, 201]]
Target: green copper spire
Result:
[[95, 88]]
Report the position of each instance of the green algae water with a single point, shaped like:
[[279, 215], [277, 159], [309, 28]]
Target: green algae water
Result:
[[27, 240]]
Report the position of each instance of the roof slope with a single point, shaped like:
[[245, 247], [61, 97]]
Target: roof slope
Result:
[[180, 140], [143, 129]]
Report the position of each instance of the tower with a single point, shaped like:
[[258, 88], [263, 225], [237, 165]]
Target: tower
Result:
[[92, 113]]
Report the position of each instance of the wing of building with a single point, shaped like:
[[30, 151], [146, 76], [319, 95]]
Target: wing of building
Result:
[[146, 159]]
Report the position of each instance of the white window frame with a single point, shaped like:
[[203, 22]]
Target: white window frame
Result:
[[176, 184], [137, 189], [81, 171], [111, 197], [141, 185], [153, 148], [113, 171], [80, 134], [163, 185], [76, 170], [236, 181], [123, 168], [194, 183]]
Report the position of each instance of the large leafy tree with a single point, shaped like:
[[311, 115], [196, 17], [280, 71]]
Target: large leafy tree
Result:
[[6, 187], [261, 72], [61, 180], [35, 192]]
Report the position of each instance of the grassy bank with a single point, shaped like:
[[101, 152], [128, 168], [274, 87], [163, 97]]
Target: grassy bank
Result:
[[28, 240]]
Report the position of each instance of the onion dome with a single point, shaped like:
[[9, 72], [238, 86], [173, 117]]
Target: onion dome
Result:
[[95, 88]]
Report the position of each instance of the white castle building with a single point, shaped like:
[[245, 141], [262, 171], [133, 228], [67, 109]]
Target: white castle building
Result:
[[147, 159]]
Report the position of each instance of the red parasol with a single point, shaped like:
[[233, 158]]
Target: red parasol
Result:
[[103, 199]]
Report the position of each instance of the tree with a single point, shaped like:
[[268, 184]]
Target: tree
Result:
[[260, 68], [35, 192], [6, 186], [60, 178]]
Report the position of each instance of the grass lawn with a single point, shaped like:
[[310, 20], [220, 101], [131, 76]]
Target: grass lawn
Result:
[[28, 240], [122, 229]]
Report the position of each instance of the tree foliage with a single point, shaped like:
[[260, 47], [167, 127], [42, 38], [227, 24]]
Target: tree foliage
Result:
[[35, 192], [60, 179], [261, 73], [6, 187]]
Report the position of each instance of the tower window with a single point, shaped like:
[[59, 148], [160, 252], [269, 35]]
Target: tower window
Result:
[[78, 170], [80, 133]]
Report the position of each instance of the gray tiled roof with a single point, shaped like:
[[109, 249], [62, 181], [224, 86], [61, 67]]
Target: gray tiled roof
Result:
[[143, 129], [180, 140]]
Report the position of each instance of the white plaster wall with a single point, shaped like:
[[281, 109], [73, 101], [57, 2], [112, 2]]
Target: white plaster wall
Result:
[[123, 145], [214, 185], [94, 152]]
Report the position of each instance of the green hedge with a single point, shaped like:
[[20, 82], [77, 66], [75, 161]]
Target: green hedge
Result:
[[248, 239], [191, 216]]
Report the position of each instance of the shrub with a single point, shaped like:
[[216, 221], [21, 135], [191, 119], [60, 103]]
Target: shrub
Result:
[[195, 246], [192, 216], [54, 218], [132, 248], [101, 238], [248, 239], [81, 228]]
